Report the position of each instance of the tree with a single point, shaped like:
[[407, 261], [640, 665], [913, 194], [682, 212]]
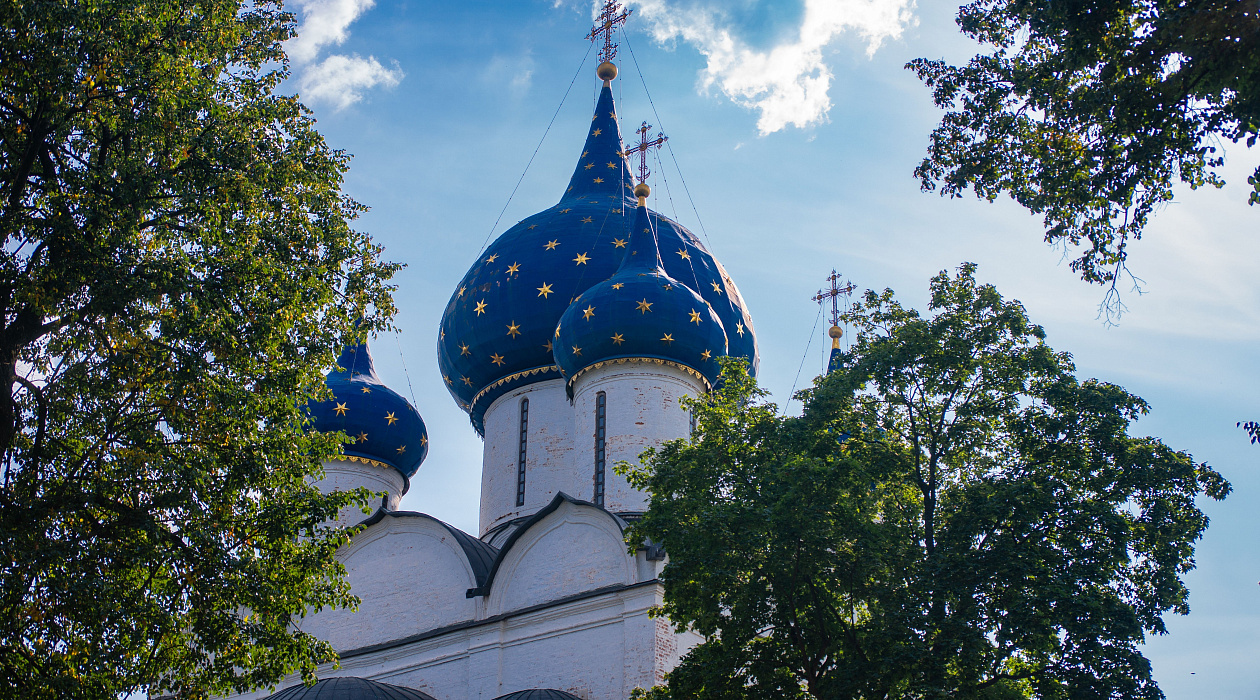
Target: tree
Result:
[[1089, 111], [954, 515], [1253, 430], [178, 269]]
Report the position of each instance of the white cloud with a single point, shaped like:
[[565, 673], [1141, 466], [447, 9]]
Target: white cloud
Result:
[[788, 83], [341, 80], [338, 79]]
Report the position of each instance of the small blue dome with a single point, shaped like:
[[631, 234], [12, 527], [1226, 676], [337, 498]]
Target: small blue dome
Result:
[[497, 329], [385, 427], [640, 312]]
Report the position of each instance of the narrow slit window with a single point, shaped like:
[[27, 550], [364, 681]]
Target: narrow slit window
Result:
[[520, 454], [601, 432]]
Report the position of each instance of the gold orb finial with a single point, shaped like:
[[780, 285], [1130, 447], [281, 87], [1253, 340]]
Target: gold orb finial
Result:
[[606, 71], [642, 191], [835, 332]]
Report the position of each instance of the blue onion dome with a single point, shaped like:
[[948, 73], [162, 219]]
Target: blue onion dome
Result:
[[385, 428], [497, 329], [641, 312]]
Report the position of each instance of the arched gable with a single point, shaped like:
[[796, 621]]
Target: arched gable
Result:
[[411, 572], [568, 548]]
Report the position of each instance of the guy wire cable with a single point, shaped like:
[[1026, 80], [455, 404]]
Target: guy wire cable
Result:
[[803, 358], [686, 189], [536, 149], [406, 374]]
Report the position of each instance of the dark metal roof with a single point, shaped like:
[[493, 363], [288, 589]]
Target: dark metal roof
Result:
[[350, 689], [539, 694]]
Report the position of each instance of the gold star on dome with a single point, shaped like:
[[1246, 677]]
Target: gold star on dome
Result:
[[612, 115], [362, 437], [446, 378], [513, 268], [739, 326], [616, 211], [705, 355], [424, 440], [496, 359], [544, 290], [340, 409], [716, 287], [581, 258], [646, 229], [586, 219], [401, 449], [667, 287], [390, 418], [461, 291], [618, 339], [463, 350], [565, 211], [584, 153], [588, 166], [644, 306], [577, 351], [597, 132], [492, 258], [551, 245], [442, 334], [467, 381], [366, 390], [588, 312], [613, 166], [682, 253], [618, 243], [558, 327], [513, 329], [599, 180], [533, 226], [668, 339], [695, 317], [618, 285], [547, 345], [481, 307]]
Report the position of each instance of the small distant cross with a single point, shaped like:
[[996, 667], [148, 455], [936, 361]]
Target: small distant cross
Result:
[[642, 148], [610, 16], [833, 292]]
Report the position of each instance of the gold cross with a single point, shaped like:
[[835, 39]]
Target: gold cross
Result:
[[610, 17], [642, 148]]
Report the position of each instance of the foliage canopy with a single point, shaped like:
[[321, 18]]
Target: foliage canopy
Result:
[[954, 515], [177, 270], [1088, 112]]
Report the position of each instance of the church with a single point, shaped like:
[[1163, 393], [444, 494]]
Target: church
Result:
[[569, 343]]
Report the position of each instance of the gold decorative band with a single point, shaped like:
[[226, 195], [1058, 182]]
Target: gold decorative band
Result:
[[644, 360], [364, 460], [510, 378]]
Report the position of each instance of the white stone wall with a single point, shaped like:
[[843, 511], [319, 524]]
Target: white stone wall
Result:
[[643, 411], [344, 475], [598, 648], [568, 609], [548, 455], [573, 550], [411, 576]]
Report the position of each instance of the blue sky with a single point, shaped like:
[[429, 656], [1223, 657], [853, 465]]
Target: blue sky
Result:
[[795, 130]]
